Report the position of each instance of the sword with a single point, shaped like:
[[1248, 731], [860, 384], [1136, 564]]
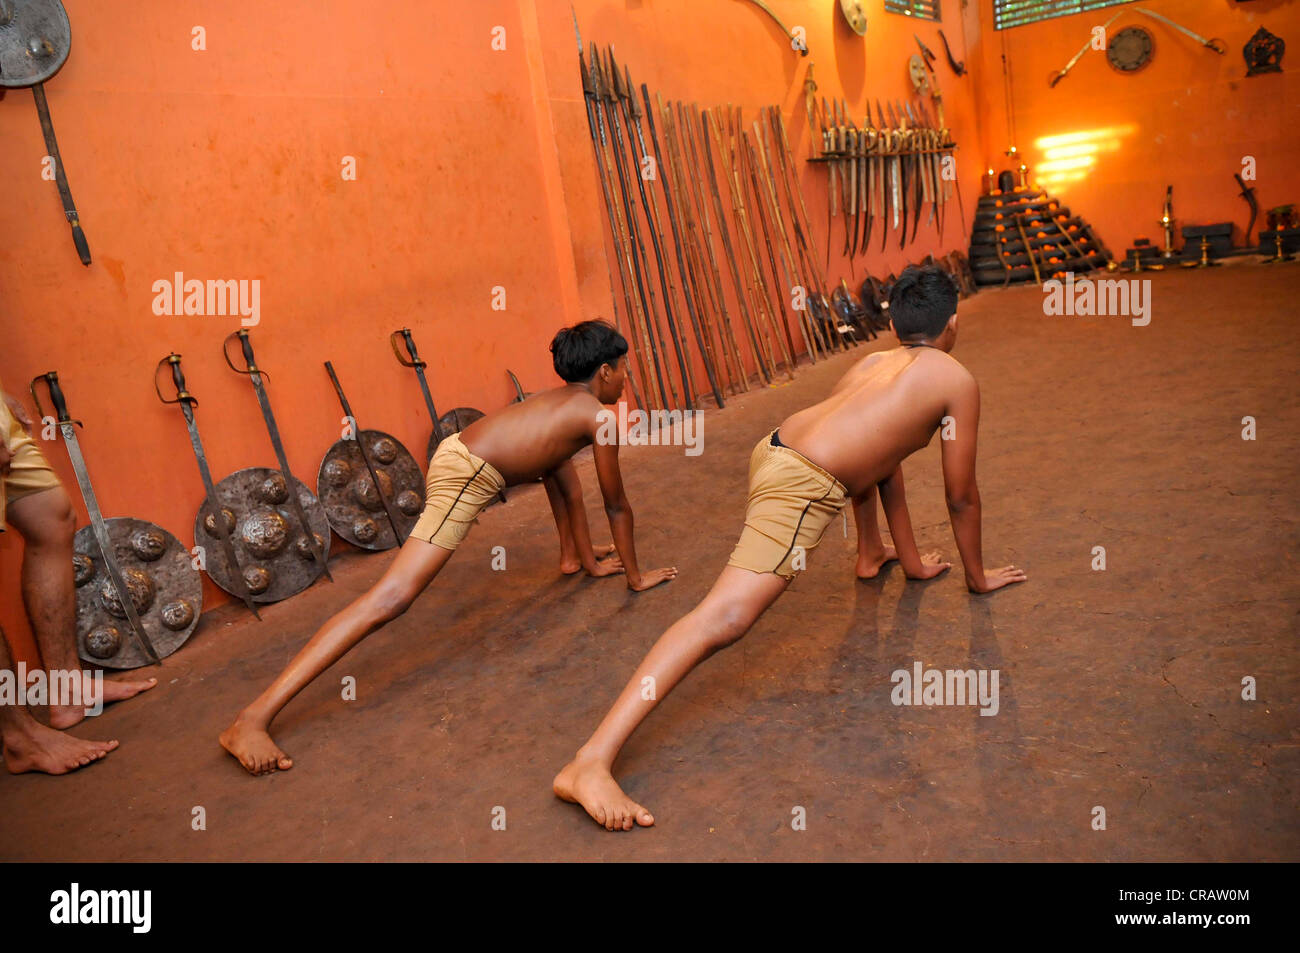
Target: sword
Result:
[[1057, 77], [413, 360], [188, 402], [255, 374], [60, 177], [1214, 44], [67, 428], [365, 457], [1248, 193]]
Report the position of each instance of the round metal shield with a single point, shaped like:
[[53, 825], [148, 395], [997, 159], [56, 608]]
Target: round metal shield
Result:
[[855, 16], [453, 421], [35, 38], [271, 547], [354, 509], [1130, 49], [164, 587]]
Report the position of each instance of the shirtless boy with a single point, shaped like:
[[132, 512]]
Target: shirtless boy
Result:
[[800, 476], [519, 444]]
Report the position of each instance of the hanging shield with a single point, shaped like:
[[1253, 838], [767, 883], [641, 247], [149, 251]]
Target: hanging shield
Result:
[[275, 553], [354, 509], [165, 589], [35, 39]]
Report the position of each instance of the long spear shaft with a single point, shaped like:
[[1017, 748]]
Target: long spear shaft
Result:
[[644, 293], [694, 259], [602, 173], [653, 224], [777, 297], [706, 350], [709, 135], [726, 332]]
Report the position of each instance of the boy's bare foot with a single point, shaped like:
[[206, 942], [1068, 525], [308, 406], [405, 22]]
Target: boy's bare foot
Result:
[[869, 564], [37, 748], [591, 785], [65, 716], [254, 749], [571, 564]]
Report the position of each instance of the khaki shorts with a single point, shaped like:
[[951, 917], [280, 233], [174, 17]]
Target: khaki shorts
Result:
[[791, 502], [459, 485], [29, 471]]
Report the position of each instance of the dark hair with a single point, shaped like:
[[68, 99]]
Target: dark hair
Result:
[[578, 352], [922, 300]]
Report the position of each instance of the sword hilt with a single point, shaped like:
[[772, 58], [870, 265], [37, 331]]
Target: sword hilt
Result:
[[246, 346], [178, 378], [51, 379], [413, 359]]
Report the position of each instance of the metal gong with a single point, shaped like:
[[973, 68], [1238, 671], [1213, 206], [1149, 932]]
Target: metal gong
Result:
[[354, 509], [453, 421], [269, 544], [164, 588], [35, 39]]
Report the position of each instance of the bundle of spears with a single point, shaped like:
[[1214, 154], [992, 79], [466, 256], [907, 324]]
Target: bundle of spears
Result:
[[885, 171], [655, 153]]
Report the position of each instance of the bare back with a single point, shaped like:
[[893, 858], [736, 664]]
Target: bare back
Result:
[[527, 440], [884, 409]]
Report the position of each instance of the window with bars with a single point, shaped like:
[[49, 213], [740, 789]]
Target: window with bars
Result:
[[921, 9], [1009, 13]]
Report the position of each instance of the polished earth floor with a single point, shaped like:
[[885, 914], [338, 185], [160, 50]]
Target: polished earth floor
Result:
[[1119, 689]]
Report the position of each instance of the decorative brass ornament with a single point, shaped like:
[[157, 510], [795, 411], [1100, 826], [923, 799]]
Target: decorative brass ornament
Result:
[[1130, 50]]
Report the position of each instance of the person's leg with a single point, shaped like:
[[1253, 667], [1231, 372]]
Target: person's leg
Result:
[[569, 561], [47, 522], [734, 604], [872, 551], [30, 746], [416, 565]]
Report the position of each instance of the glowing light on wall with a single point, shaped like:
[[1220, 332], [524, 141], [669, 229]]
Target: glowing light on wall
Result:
[[1072, 156]]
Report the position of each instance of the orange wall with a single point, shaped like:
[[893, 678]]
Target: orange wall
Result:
[[474, 170], [1186, 120]]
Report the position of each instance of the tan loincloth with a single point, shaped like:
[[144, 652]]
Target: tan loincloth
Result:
[[458, 486], [791, 502]]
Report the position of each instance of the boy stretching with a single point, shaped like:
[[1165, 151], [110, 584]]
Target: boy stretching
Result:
[[524, 441], [800, 476]]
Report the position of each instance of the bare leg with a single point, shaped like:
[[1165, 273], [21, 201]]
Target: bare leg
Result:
[[416, 565], [30, 746], [569, 559], [872, 551], [734, 604], [47, 522]]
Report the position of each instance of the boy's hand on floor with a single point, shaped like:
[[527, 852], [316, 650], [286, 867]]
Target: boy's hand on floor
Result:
[[932, 564], [997, 578], [652, 578]]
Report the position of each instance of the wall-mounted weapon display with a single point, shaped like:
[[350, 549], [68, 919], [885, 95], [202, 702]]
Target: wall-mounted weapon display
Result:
[[35, 39], [122, 555]]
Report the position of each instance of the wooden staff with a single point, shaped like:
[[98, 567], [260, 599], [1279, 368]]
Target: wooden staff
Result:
[[602, 173], [639, 153], [705, 304], [769, 329], [760, 206], [773, 205], [687, 121], [645, 292], [710, 136]]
